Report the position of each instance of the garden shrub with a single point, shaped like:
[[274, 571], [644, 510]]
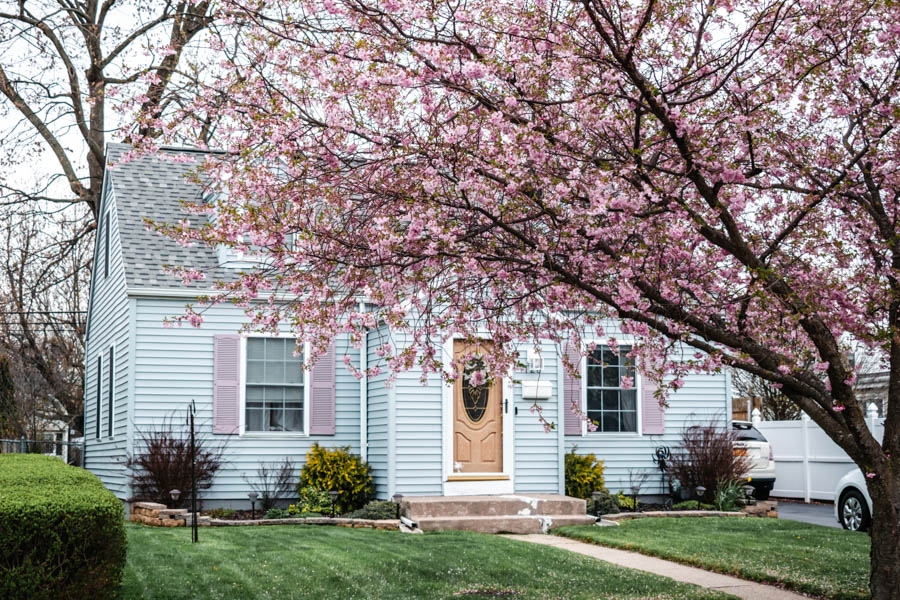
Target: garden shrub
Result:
[[273, 481], [164, 463], [691, 505], [336, 469], [602, 503], [313, 500], [625, 502], [278, 513], [376, 510], [62, 534], [584, 475], [222, 513], [728, 492], [295, 511], [704, 457]]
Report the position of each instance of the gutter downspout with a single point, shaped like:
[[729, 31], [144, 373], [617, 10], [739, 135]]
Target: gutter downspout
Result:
[[364, 393]]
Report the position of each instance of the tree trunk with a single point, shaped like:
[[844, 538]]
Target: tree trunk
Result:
[[884, 578]]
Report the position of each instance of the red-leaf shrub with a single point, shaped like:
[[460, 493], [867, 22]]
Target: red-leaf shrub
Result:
[[164, 464], [705, 456]]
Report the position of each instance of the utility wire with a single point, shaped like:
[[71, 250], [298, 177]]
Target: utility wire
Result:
[[43, 312]]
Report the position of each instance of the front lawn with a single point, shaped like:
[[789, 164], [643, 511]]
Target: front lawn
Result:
[[299, 562], [816, 560]]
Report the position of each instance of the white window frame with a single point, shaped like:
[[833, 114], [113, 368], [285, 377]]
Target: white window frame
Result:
[[638, 401], [243, 393]]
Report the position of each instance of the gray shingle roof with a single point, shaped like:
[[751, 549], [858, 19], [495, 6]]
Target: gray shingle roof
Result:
[[155, 188]]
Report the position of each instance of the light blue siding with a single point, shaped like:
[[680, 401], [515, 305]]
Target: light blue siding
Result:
[[537, 450], [380, 403], [417, 432], [108, 328], [175, 366]]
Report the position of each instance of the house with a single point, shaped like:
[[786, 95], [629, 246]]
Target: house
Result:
[[419, 439], [872, 388]]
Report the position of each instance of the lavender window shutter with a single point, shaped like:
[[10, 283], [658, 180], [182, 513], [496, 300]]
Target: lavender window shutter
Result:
[[321, 395], [653, 414], [572, 394], [226, 383]]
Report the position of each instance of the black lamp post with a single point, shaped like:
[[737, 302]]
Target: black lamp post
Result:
[[174, 495], [334, 496], [700, 491], [252, 496], [634, 492]]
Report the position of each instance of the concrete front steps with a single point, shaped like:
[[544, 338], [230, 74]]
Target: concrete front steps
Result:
[[513, 513]]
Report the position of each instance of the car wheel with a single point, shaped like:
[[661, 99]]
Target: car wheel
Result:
[[854, 512], [761, 493]]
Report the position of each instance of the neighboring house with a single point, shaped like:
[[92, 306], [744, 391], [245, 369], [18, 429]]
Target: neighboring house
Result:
[[434, 439], [872, 388], [742, 408]]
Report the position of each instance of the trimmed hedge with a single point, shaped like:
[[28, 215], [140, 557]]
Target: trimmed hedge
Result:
[[62, 534]]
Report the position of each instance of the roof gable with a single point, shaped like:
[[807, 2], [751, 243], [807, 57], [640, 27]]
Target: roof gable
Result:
[[154, 188]]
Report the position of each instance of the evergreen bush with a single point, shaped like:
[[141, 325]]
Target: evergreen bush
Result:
[[62, 534]]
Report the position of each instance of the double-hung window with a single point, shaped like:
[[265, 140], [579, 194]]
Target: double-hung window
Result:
[[610, 406], [274, 388]]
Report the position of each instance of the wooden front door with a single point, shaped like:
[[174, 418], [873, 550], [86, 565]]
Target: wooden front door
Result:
[[477, 419]]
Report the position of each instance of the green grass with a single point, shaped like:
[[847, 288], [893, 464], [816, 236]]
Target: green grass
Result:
[[298, 562], [816, 560]]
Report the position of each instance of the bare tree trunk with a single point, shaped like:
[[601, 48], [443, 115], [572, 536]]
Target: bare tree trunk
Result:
[[884, 577]]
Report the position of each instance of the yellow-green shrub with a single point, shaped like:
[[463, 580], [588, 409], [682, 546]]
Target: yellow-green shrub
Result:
[[337, 470], [584, 474]]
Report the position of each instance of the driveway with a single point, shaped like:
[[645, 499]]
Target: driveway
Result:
[[817, 514]]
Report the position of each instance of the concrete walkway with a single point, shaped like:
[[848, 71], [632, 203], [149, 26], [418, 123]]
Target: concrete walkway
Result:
[[723, 583]]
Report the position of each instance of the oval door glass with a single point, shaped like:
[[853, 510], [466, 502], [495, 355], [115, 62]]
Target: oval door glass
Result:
[[475, 396]]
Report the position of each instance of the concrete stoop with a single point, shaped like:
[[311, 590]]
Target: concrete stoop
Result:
[[519, 513]]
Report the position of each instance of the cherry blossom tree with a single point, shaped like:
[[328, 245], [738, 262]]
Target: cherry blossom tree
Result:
[[715, 175]]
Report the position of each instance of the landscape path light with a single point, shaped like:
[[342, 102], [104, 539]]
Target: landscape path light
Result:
[[334, 496], [252, 496]]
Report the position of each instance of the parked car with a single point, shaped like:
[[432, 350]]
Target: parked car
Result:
[[853, 506], [754, 445]]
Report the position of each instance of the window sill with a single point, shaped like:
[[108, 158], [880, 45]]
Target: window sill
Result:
[[614, 435], [274, 434]]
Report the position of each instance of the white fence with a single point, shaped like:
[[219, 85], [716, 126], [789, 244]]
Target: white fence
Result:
[[808, 464]]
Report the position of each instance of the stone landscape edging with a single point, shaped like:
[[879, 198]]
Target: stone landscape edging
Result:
[[672, 513], [388, 524], [763, 508], [157, 515]]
